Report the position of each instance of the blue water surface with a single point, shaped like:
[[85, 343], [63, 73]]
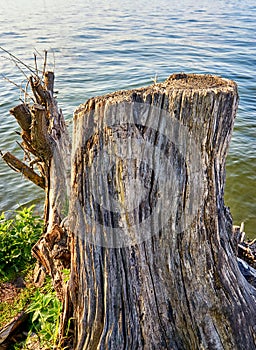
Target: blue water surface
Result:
[[101, 46]]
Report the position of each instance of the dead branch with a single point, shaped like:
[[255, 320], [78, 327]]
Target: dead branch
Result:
[[19, 166]]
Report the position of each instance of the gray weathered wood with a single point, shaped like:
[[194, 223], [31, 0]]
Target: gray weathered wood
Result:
[[180, 288]]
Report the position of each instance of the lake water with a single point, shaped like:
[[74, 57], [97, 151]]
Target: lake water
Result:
[[101, 46]]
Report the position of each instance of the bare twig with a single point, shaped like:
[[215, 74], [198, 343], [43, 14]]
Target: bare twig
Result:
[[36, 64], [45, 62], [252, 242], [16, 64], [12, 82], [26, 93], [18, 86], [39, 54], [16, 59]]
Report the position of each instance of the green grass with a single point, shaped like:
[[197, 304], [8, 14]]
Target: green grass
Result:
[[9, 309]]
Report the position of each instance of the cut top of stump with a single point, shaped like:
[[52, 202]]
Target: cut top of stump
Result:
[[195, 83], [198, 82]]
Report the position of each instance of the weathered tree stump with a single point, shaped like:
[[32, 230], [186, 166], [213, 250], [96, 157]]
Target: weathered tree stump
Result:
[[153, 262]]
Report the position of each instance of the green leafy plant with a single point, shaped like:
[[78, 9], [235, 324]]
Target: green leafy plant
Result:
[[17, 236], [45, 310]]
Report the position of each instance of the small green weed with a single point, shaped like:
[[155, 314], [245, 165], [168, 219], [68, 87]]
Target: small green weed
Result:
[[17, 236]]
